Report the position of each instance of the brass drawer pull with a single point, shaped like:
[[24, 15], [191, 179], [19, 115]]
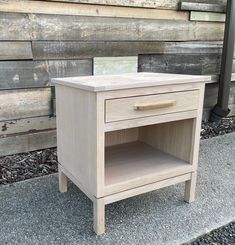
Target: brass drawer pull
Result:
[[151, 106]]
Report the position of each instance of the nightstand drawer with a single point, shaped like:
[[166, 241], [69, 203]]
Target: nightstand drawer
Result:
[[150, 105]]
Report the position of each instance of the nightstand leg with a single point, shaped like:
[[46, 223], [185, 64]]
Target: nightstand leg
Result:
[[190, 188], [63, 181], [99, 216]]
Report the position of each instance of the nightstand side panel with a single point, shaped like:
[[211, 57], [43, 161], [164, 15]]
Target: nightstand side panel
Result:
[[79, 138]]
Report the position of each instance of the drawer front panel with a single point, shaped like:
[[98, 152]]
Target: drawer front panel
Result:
[[150, 105]]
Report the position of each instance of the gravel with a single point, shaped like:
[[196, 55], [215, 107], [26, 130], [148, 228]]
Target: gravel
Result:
[[221, 236], [28, 165], [209, 130]]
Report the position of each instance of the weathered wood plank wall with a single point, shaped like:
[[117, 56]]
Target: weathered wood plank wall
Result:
[[41, 39]]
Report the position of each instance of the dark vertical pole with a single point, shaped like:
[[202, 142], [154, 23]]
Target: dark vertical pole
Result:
[[221, 108], [52, 101]]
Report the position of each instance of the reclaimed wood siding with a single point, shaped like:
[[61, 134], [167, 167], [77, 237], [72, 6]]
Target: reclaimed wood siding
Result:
[[25, 74], [57, 38]]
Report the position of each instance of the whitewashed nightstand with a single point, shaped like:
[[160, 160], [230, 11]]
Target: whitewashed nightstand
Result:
[[123, 135]]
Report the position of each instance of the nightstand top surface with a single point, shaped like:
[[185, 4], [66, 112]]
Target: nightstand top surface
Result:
[[127, 81]]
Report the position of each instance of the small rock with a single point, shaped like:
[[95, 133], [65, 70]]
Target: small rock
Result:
[[28, 165]]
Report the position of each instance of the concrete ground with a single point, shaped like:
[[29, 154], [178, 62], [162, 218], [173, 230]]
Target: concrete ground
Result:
[[34, 212]]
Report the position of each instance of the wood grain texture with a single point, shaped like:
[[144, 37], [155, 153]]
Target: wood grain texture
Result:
[[99, 216], [170, 137], [121, 136], [15, 27], [114, 65], [25, 74], [79, 50], [146, 188], [63, 180], [196, 64], [135, 92], [124, 108], [164, 4], [208, 17], [27, 142], [135, 164], [24, 103], [156, 105], [15, 51], [19, 74], [54, 27], [190, 188], [204, 7], [28, 125], [39, 7], [82, 28], [78, 134], [128, 81], [195, 142], [169, 4], [77, 183], [138, 122], [70, 68]]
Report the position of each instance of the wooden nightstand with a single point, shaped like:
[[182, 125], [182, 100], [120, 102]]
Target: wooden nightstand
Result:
[[124, 135]]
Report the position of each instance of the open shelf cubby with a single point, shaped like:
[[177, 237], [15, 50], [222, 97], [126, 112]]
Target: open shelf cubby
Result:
[[143, 155]]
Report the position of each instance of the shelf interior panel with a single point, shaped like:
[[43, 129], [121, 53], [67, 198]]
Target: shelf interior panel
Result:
[[129, 162]]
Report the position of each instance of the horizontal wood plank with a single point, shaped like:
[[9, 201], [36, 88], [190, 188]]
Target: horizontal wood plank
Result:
[[182, 64], [205, 7], [26, 125], [115, 65], [15, 51], [165, 4], [209, 17], [23, 74], [23, 103], [39, 7], [27, 142], [14, 27], [43, 50], [81, 28], [161, 4], [19, 74], [53, 27], [69, 68]]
